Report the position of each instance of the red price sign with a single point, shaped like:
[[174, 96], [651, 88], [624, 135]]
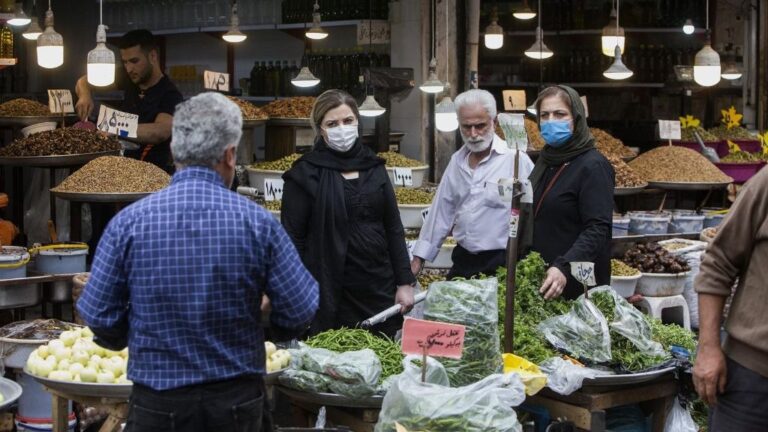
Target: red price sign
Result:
[[440, 339]]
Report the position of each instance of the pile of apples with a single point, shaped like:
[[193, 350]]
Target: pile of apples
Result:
[[74, 356], [277, 359]]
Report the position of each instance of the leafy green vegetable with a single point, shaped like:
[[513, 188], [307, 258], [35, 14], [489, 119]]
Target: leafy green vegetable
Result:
[[345, 339]]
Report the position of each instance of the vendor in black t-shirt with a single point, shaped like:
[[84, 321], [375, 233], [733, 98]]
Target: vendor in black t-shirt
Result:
[[152, 96]]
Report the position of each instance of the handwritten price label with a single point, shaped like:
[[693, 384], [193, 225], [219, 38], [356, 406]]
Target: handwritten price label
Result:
[[60, 101], [584, 272], [117, 122], [514, 223], [514, 100], [273, 189], [669, 129], [403, 177], [527, 188], [424, 214], [217, 81], [375, 32], [440, 339]]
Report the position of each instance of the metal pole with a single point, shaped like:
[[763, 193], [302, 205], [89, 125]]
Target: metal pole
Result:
[[512, 243]]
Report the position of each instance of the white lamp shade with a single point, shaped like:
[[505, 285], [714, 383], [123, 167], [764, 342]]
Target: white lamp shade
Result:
[[446, 119], [525, 14], [610, 42], [539, 50], [101, 74], [50, 57], [370, 108], [33, 32], [494, 36], [20, 18], [617, 70], [432, 84], [234, 36], [305, 78], [316, 33], [706, 67]]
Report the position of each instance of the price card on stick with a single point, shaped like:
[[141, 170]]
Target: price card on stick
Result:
[[584, 272], [514, 223], [117, 122], [513, 126], [273, 189], [514, 100], [60, 101], [669, 129], [218, 81], [403, 177], [439, 339]]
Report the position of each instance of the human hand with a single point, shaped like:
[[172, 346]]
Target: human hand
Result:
[[266, 305], [710, 373], [83, 107], [554, 284], [404, 297], [416, 265]]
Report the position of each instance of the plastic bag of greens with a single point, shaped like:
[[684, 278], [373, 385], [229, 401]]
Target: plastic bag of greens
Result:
[[583, 332], [354, 373], [483, 406], [626, 320], [472, 303], [305, 381], [564, 377], [314, 359], [679, 419]]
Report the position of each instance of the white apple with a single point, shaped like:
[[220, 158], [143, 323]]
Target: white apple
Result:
[[270, 348], [62, 353], [95, 358], [68, 337], [44, 368], [80, 356], [105, 377], [43, 351], [88, 374], [122, 379], [76, 368], [63, 364], [87, 332], [61, 375]]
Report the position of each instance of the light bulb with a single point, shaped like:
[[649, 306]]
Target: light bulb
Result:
[[101, 61], [50, 45], [446, 119], [688, 27], [305, 78], [20, 18], [706, 67]]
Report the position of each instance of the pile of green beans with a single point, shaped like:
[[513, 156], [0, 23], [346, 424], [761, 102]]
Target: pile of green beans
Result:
[[345, 339]]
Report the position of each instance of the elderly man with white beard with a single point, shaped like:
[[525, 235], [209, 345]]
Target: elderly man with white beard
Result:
[[467, 203]]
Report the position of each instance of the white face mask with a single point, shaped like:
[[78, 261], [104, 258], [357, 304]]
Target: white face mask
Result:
[[341, 138], [478, 144]]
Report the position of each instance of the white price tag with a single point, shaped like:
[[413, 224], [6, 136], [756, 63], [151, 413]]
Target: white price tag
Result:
[[514, 223], [403, 177], [527, 197], [506, 189], [424, 214], [513, 126], [586, 107], [116, 122], [218, 81], [669, 129], [584, 272], [273, 189], [60, 101]]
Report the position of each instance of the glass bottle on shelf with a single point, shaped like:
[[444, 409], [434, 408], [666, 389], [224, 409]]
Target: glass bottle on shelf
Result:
[[269, 87], [275, 78]]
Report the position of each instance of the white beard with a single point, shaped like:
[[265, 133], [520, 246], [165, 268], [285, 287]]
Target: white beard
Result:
[[478, 146]]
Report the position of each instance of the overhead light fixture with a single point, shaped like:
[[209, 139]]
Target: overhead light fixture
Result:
[[316, 32], [50, 44], [688, 27], [233, 35], [706, 66], [617, 70], [101, 60], [446, 119], [538, 50], [20, 18], [612, 34], [371, 108], [494, 34], [432, 84], [33, 31], [532, 109], [731, 70], [525, 13], [305, 78]]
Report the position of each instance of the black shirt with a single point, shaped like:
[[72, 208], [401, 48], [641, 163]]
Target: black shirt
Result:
[[160, 98], [574, 221]]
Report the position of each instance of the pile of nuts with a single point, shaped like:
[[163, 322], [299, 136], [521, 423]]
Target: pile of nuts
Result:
[[23, 108], [619, 268], [394, 159], [283, 164], [66, 141], [295, 107], [653, 258], [675, 164], [626, 177], [413, 196], [737, 132], [609, 145], [686, 134], [115, 174], [250, 111]]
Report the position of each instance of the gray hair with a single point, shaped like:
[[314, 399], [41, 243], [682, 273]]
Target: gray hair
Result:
[[203, 128], [477, 97]]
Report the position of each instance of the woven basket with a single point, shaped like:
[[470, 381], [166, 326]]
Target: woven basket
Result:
[[79, 281]]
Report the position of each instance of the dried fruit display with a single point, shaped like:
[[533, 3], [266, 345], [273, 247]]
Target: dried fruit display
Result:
[[295, 107], [609, 145], [115, 174], [677, 165], [626, 177], [653, 258], [66, 141], [250, 111], [23, 108]]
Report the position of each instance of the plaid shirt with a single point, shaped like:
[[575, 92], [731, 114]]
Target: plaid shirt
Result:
[[178, 276]]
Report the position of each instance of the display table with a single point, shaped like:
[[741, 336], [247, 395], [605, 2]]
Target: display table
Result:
[[359, 415], [586, 407], [117, 409]]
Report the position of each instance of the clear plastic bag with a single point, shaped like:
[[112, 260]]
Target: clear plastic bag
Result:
[[314, 359], [582, 332], [564, 377], [354, 373], [305, 381], [483, 406], [679, 419], [629, 322], [472, 303]]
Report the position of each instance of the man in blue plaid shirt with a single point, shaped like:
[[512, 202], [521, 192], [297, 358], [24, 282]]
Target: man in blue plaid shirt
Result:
[[178, 277]]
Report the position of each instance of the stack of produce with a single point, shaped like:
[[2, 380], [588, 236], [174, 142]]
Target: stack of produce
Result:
[[428, 276], [677, 165], [608, 145], [115, 174], [295, 107], [23, 108], [276, 359], [250, 111], [626, 177], [653, 258], [741, 156], [74, 356], [413, 196], [531, 309], [394, 159], [66, 141], [686, 135], [735, 133], [283, 164], [344, 340], [619, 268]]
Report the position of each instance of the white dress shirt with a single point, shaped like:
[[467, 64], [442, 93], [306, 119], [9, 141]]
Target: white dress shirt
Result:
[[468, 202]]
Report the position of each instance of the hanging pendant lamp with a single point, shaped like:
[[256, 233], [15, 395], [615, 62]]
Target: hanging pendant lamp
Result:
[[50, 44], [539, 50], [706, 66]]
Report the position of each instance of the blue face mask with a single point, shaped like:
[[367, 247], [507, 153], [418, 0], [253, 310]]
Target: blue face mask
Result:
[[556, 132]]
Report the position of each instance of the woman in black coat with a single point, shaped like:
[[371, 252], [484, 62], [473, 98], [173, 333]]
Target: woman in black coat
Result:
[[339, 208]]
